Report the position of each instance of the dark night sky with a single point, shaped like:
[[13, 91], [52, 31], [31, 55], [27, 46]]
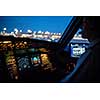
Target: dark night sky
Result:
[[35, 23]]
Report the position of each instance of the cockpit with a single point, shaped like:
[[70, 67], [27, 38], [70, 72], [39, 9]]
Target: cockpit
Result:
[[40, 56]]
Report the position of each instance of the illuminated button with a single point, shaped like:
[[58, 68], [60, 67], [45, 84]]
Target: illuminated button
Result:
[[20, 69], [16, 77], [25, 42], [29, 67], [25, 66]]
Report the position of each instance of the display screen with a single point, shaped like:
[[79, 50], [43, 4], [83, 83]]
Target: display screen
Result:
[[21, 51], [33, 50], [23, 62], [77, 49], [35, 60]]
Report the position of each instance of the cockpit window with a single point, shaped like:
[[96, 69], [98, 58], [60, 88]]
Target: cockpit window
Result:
[[49, 28]]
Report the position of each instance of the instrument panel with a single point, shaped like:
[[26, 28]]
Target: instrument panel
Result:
[[26, 59], [29, 60]]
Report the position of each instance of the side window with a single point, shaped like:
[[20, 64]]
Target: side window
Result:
[[78, 45]]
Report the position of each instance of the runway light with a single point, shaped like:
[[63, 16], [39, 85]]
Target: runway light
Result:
[[4, 29], [16, 30], [29, 31]]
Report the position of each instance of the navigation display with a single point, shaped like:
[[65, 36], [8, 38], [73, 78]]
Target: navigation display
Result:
[[23, 62], [35, 60]]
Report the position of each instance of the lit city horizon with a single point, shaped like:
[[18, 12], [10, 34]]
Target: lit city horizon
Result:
[[49, 28]]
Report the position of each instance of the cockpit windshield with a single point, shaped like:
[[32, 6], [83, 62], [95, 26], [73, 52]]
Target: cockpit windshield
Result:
[[49, 28]]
